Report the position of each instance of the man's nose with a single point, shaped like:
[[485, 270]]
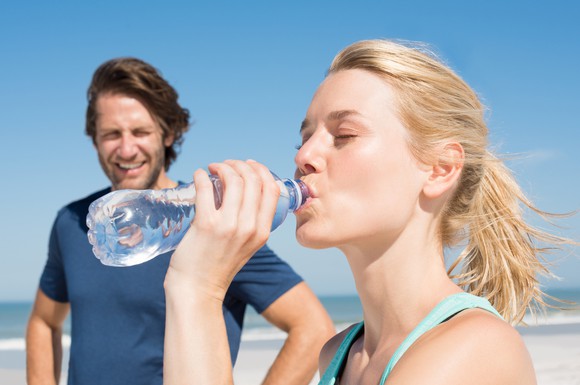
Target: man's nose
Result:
[[128, 147]]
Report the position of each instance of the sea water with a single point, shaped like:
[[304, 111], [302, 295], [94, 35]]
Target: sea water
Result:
[[344, 311]]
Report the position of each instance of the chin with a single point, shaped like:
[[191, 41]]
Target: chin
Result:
[[131, 185], [311, 239]]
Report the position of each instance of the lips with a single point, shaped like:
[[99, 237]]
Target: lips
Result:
[[311, 189], [311, 195], [130, 166]]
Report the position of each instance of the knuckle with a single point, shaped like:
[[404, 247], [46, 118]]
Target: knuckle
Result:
[[246, 231], [262, 236]]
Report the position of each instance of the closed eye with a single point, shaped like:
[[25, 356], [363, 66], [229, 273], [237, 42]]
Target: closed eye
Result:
[[141, 133], [341, 140], [110, 135]]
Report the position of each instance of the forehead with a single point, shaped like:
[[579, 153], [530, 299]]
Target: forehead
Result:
[[111, 100], [116, 108], [356, 90]]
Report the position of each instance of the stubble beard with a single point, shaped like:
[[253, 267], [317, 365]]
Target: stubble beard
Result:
[[143, 182]]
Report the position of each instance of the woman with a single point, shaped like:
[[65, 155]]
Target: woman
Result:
[[394, 155]]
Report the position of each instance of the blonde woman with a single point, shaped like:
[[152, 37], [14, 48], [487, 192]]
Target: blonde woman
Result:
[[394, 153]]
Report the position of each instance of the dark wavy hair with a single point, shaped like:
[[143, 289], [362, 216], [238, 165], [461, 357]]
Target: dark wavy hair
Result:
[[138, 79]]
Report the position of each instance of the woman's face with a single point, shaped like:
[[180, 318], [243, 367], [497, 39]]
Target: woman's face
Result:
[[364, 182]]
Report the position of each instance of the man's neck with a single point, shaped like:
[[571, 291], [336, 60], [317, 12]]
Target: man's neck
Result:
[[164, 182]]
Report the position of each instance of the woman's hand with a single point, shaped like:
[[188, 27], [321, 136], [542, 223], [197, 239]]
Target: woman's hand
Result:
[[220, 241]]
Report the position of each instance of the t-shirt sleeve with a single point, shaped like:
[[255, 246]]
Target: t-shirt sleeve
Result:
[[263, 280], [52, 280]]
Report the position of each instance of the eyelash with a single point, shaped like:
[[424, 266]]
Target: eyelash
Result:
[[338, 137], [342, 138]]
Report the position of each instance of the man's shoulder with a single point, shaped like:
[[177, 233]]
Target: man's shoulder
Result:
[[80, 207], [263, 279]]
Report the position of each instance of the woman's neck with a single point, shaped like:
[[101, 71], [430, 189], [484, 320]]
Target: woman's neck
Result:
[[398, 284]]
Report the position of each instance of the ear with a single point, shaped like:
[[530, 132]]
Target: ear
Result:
[[168, 140], [446, 172]]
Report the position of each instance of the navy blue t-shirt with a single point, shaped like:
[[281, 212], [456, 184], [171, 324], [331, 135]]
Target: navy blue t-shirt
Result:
[[118, 313]]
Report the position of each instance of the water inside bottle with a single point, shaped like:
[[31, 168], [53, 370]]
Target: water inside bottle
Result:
[[129, 227]]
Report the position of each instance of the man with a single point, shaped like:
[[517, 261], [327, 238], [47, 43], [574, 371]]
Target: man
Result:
[[118, 314]]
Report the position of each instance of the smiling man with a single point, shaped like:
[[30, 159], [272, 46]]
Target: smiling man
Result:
[[130, 144], [118, 315]]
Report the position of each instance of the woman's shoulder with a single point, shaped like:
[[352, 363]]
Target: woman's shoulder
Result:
[[474, 347]]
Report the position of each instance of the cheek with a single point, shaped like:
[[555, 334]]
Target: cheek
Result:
[[154, 145], [360, 171], [105, 149], [377, 188]]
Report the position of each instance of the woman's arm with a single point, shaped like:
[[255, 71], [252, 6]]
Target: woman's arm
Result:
[[218, 244], [196, 347]]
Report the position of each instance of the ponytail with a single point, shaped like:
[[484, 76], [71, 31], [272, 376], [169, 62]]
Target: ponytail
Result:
[[503, 259]]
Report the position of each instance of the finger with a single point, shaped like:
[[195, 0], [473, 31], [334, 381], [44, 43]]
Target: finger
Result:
[[233, 189], [270, 195], [204, 199], [252, 194]]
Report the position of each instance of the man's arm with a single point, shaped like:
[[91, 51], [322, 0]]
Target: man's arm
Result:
[[43, 340], [299, 313]]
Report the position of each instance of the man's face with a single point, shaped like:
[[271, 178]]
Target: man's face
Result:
[[130, 144]]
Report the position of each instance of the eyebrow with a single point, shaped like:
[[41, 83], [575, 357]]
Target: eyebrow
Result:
[[334, 115]]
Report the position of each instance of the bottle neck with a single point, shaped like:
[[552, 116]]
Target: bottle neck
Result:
[[298, 192]]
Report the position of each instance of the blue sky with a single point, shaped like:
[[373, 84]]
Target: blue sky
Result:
[[247, 71]]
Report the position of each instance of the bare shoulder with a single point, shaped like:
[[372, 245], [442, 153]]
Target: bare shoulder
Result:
[[329, 349], [474, 347]]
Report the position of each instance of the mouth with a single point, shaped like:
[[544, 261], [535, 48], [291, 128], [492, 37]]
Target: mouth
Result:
[[130, 166], [310, 196], [311, 189]]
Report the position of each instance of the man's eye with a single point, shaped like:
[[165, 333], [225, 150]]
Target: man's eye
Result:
[[110, 136]]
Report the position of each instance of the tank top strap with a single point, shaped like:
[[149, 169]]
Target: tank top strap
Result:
[[445, 309], [336, 365]]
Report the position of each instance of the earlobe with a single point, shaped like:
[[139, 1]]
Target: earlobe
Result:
[[446, 172]]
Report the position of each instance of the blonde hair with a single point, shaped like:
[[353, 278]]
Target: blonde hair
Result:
[[501, 261]]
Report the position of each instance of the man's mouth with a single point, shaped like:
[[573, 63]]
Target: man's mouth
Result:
[[130, 166]]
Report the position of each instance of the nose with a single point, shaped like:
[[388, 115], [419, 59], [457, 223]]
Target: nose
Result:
[[310, 157], [128, 146]]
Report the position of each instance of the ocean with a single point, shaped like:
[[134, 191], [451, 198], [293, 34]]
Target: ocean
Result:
[[344, 310]]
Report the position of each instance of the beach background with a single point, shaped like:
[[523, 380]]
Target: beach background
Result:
[[247, 72], [553, 341]]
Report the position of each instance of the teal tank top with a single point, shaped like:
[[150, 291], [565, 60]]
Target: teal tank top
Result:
[[444, 310]]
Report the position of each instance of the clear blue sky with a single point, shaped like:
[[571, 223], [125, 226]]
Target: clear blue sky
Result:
[[247, 71]]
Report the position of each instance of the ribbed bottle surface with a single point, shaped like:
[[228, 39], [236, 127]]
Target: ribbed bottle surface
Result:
[[128, 227]]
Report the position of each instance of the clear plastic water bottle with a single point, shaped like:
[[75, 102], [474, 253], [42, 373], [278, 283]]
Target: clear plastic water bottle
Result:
[[128, 227]]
